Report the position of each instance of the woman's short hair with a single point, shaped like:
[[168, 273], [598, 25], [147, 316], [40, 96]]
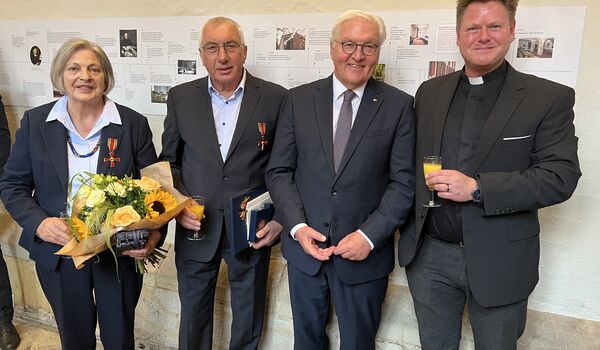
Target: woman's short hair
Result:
[[68, 49]]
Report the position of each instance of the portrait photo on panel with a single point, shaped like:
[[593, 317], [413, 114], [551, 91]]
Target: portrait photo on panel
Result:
[[35, 55], [128, 42]]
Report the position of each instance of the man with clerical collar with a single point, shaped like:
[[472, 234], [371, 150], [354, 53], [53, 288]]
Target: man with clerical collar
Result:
[[508, 146]]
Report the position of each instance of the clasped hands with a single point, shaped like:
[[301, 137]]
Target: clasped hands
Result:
[[352, 247]]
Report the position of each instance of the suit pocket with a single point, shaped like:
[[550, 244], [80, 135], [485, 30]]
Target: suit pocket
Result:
[[525, 142], [376, 133], [522, 226]]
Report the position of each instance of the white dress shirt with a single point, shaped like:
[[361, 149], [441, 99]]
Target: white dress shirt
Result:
[[83, 145], [338, 99], [225, 113]]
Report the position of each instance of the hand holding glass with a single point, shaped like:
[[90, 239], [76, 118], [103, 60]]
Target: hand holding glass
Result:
[[198, 209], [431, 164]]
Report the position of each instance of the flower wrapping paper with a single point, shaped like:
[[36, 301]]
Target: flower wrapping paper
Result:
[[89, 247]]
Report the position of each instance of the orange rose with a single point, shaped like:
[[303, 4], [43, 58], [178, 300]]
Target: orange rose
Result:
[[124, 216], [147, 184]]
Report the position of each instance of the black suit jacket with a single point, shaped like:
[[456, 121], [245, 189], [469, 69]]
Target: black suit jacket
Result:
[[190, 144], [526, 160], [373, 188], [4, 138], [36, 176]]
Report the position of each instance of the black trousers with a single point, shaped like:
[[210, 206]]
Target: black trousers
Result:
[[7, 309], [80, 298], [247, 273]]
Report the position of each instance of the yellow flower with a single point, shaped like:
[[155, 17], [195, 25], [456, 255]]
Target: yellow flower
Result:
[[95, 197], [82, 231], [124, 216], [159, 202], [147, 184]]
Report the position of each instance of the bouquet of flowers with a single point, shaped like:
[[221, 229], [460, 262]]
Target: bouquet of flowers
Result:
[[105, 204]]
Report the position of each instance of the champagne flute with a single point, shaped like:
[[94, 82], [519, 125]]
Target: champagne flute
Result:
[[198, 209], [431, 164]]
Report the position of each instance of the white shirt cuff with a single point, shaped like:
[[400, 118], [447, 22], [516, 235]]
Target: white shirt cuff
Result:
[[367, 238], [296, 228], [302, 224]]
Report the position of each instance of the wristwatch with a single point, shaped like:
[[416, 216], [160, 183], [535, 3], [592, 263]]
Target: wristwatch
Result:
[[476, 194]]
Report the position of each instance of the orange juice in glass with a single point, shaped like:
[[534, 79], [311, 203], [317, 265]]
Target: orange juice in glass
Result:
[[431, 164], [198, 209]]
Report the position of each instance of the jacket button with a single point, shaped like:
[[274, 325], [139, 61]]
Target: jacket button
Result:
[[421, 216], [334, 192], [326, 224], [225, 178]]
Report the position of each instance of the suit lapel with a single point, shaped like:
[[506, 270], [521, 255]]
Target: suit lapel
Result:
[[323, 99], [249, 102], [441, 111], [204, 123], [54, 136], [369, 105], [112, 131], [511, 95]]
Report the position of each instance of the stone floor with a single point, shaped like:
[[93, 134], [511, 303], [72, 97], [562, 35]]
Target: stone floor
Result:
[[35, 336]]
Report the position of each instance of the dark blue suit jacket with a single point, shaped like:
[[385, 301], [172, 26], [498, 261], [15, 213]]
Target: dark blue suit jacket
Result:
[[373, 188], [35, 180]]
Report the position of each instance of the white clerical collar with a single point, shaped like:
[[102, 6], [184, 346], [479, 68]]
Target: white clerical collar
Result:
[[476, 80]]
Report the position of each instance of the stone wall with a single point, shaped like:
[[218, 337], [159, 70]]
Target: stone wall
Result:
[[158, 311]]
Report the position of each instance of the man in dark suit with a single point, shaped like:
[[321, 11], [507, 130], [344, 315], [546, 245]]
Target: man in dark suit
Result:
[[9, 337], [218, 136], [509, 148], [343, 182]]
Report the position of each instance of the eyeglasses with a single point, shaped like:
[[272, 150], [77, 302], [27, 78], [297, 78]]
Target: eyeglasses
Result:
[[212, 49], [350, 47]]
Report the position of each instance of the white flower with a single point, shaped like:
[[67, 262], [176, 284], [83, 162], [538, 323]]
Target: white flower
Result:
[[116, 189], [84, 191], [96, 197]]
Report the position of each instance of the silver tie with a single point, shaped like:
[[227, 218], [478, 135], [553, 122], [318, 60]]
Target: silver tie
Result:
[[342, 131]]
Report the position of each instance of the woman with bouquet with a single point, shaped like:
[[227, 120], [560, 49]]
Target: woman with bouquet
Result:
[[84, 131]]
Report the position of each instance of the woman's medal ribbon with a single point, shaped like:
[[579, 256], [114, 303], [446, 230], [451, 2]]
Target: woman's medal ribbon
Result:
[[112, 146]]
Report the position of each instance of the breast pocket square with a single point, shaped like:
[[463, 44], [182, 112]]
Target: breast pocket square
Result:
[[513, 138]]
